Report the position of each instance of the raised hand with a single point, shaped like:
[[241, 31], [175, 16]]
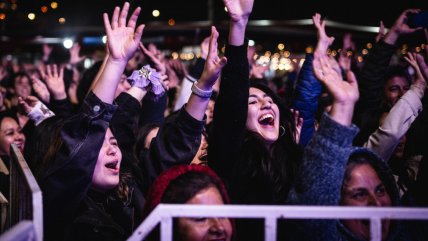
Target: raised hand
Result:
[[55, 81], [421, 69], [213, 65], [401, 27], [153, 59], [74, 54], [27, 103], [239, 12], [324, 41], [123, 38], [239, 9], [381, 32], [40, 88], [344, 93]]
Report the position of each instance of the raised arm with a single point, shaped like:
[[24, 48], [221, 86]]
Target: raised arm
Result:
[[231, 106], [239, 12], [399, 119], [123, 39], [401, 27], [308, 88], [202, 89], [344, 93], [327, 153]]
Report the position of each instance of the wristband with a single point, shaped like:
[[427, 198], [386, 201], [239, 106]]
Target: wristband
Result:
[[39, 113], [205, 94]]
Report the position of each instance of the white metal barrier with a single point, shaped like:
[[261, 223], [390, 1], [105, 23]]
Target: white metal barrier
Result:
[[25, 199], [23, 231], [164, 213]]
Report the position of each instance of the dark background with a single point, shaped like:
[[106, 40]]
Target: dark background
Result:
[[193, 18]]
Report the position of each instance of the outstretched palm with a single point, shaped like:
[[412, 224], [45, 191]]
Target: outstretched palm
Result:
[[214, 64], [122, 38], [327, 70], [323, 40]]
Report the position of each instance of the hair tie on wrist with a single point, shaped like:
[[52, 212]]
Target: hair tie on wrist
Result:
[[148, 79]]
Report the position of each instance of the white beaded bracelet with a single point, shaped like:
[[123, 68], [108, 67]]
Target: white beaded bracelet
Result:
[[205, 94]]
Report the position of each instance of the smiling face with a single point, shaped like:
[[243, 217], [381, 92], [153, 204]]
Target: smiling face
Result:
[[263, 116], [106, 172], [364, 188], [205, 229], [10, 132], [395, 87]]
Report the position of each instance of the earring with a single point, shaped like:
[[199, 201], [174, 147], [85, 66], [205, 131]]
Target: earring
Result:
[[282, 131]]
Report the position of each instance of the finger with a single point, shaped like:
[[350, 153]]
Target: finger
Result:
[[107, 25], [213, 41], [350, 77], [55, 71], [134, 17], [115, 18], [143, 48], [49, 70], [42, 72], [61, 73], [123, 15], [223, 62], [139, 33], [31, 98]]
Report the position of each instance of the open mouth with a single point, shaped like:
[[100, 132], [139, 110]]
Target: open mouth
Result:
[[19, 144], [112, 165], [267, 120]]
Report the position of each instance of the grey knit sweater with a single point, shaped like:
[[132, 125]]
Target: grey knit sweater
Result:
[[320, 178]]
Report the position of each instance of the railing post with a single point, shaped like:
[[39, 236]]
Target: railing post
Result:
[[375, 229], [166, 228], [270, 229]]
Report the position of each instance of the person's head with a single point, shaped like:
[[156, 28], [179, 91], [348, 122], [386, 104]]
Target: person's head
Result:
[[106, 172], [369, 184], [397, 82], [10, 133], [22, 85], [192, 184], [266, 114]]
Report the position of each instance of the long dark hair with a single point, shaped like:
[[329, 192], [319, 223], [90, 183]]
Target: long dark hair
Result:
[[277, 163]]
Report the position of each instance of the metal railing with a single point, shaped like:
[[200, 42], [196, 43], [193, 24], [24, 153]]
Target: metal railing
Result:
[[25, 199], [164, 213]]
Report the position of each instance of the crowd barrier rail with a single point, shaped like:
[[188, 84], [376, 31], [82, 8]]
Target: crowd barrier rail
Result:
[[164, 213]]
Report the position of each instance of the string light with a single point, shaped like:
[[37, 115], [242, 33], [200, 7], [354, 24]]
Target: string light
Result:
[[171, 22], [31, 16], [54, 5], [44, 9], [61, 20], [68, 43], [2, 16], [155, 13]]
